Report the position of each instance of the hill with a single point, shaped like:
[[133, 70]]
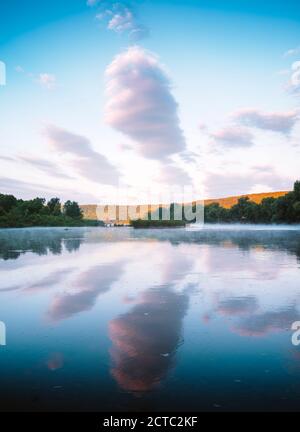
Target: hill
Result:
[[257, 198], [89, 210]]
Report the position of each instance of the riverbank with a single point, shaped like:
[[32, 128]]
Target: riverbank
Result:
[[49, 222]]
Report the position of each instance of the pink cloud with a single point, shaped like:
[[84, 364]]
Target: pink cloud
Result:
[[140, 104], [274, 121], [233, 136]]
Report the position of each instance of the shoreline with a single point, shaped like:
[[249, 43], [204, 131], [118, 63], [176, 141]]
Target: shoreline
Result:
[[189, 227]]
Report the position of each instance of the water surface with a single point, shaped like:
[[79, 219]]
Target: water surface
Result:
[[169, 319]]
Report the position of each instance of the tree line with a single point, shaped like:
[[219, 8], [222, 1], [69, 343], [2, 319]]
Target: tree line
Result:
[[285, 209], [37, 212]]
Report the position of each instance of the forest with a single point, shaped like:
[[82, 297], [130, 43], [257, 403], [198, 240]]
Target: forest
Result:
[[18, 213], [282, 210]]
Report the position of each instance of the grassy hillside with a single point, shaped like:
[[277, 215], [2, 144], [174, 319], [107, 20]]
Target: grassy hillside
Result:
[[257, 198], [89, 210]]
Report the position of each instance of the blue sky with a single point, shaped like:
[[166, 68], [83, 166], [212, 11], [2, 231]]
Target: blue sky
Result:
[[149, 94]]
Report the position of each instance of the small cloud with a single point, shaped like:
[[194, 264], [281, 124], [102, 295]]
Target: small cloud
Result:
[[189, 156], [7, 158], [45, 166], [120, 18], [125, 147], [258, 187], [282, 122], [283, 72], [27, 190], [24, 189], [173, 175], [92, 2], [233, 136], [292, 52], [47, 80], [88, 287], [223, 185], [294, 81], [87, 162], [19, 69], [121, 21], [202, 126], [138, 33]]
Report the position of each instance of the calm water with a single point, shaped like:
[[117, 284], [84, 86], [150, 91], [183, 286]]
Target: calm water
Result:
[[118, 319]]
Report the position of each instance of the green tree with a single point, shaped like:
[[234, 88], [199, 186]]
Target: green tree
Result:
[[297, 190], [296, 207], [35, 205], [72, 209], [54, 206], [7, 202], [214, 213], [244, 211], [267, 210]]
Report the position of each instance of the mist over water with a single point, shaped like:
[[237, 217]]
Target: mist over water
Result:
[[244, 227], [157, 319]]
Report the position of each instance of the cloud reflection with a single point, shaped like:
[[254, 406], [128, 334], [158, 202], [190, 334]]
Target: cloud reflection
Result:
[[237, 305], [146, 339], [263, 323], [90, 284]]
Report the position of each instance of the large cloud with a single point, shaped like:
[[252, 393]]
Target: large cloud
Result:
[[88, 163], [140, 104], [274, 121], [146, 338]]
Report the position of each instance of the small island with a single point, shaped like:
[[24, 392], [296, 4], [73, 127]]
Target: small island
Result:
[[146, 223]]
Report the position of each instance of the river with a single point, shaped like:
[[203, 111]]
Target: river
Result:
[[113, 319]]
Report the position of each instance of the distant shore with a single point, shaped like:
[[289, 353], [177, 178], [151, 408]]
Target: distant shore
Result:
[[277, 208]]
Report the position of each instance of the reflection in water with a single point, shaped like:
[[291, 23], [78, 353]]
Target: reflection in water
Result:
[[262, 323], [46, 282], [55, 361], [41, 241], [237, 306], [49, 281], [145, 339], [282, 238], [89, 285], [244, 286]]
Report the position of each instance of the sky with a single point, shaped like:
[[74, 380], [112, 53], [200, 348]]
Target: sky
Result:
[[147, 96]]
